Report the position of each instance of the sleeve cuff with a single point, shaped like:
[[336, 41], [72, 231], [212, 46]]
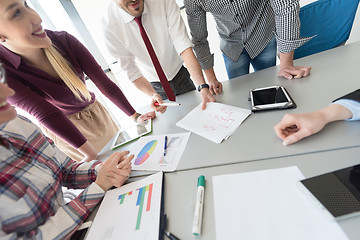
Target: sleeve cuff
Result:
[[91, 196], [286, 46], [353, 106], [207, 62], [182, 45]]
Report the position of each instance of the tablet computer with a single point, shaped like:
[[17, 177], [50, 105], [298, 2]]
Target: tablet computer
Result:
[[131, 132], [270, 98], [336, 192]]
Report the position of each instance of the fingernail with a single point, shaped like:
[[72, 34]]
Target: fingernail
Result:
[[285, 143]]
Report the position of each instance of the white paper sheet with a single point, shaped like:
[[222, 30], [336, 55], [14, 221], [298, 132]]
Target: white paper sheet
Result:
[[216, 123], [129, 212], [149, 152], [269, 205]]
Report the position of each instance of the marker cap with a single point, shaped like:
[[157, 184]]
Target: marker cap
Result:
[[201, 181]]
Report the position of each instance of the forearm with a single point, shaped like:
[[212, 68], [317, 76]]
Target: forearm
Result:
[[89, 151], [111, 91], [62, 127], [286, 59], [210, 75], [77, 175], [335, 112], [193, 66], [69, 217], [143, 85]]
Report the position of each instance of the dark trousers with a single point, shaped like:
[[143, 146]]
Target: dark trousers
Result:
[[180, 84]]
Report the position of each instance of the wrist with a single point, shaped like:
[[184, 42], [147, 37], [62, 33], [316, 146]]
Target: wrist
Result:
[[202, 87], [286, 59], [336, 112], [135, 116]]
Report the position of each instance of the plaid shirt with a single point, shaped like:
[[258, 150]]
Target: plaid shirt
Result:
[[248, 24], [32, 173]]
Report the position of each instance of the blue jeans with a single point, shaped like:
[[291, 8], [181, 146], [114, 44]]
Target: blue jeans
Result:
[[267, 58]]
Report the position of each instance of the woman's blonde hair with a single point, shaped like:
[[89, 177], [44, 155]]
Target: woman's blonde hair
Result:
[[67, 74]]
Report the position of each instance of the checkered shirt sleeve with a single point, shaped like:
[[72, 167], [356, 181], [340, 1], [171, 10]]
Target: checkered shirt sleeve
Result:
[[32, 173]]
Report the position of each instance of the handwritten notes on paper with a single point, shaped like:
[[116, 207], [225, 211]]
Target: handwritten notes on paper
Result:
[[216, 123]]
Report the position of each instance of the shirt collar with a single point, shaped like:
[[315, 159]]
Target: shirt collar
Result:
[[10, 56], [127, 17]]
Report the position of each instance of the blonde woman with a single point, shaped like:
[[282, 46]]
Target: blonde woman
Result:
[[46, 69]]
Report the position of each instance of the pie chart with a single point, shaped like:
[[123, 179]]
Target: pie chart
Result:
[[145, 152]]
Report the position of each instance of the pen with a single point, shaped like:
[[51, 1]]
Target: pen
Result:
[[196, 229], [170, 235], [168, 104], [163, 225], [165, 145]]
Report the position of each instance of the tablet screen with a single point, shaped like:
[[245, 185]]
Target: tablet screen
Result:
[[131, 132], [269, 96]]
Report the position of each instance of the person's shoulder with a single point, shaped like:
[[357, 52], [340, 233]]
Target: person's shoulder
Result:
[[59, 36], [55, 34], [20, 127], [62, 39], [111, 15]]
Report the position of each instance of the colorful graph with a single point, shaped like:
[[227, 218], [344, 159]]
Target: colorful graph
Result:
[[162, 161], [140, 201], [144, 154]]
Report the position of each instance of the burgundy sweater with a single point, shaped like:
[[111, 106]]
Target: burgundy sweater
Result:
[[48, 99]]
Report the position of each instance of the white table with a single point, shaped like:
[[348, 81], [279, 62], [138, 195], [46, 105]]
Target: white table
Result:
[[333, 75]]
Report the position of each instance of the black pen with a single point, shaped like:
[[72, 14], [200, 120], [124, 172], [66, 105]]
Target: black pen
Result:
[[170, 235]]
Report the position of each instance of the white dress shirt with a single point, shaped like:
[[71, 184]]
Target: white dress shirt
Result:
[[165, 29]]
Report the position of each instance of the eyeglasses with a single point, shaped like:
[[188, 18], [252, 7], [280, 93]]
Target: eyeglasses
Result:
[[2, 74]]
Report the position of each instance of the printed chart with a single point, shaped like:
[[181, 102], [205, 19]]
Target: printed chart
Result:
[[130, 212], [151, 154], [145, 152]]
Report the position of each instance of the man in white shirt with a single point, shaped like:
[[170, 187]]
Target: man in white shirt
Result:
[[168, 36]]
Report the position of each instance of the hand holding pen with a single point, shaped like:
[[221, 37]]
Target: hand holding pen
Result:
[[156, 99]]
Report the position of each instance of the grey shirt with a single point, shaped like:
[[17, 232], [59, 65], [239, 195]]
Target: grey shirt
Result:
[[248, 24]]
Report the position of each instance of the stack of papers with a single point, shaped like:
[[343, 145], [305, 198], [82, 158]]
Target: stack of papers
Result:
[[216, 123], [269, 204]]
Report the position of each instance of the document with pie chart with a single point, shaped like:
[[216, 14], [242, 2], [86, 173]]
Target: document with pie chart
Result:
[[152, 155]]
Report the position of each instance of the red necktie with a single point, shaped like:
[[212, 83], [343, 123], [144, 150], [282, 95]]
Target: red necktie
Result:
[[164, 81]]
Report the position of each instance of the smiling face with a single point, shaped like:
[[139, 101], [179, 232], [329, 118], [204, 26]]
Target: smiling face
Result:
[[20, 27], [7, 112], [133, 7]]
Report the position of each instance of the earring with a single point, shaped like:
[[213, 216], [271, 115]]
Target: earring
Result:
[[2, 39]]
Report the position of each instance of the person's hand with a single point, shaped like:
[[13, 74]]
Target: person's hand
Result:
[[215, 87], [290, 71], [144, 117], [294, 127], [156, 98], [206, 97], [114, 171]]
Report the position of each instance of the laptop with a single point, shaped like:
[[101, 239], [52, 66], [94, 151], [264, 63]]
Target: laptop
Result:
[[338, 191]]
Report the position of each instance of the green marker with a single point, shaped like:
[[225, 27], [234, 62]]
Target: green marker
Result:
[[196, 229]]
